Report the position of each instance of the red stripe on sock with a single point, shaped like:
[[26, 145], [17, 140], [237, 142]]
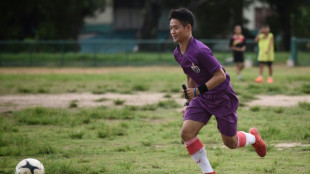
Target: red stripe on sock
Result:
[[194, 147], [241, 139]]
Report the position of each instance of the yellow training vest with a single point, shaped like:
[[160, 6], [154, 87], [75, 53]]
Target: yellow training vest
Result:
[[263, 44]]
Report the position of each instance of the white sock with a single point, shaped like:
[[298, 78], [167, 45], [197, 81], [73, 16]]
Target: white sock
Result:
[[199, 154], [250, 139], [245, 139], [200, 157]]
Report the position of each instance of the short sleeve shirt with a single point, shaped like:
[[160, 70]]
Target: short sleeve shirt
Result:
[[200, 64], [237, 41]]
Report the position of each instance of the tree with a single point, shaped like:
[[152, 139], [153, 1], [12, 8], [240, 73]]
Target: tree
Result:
[[210, 22], [285, 10], [151, 19], [45, 20]]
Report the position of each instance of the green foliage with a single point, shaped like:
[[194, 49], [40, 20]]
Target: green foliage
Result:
[[304, 105], [24, 90], [168, 104], [43, 21], [107, 131], [119, 101], [255, 108], [140, 87], [101, 100], [43, 116], [305, 88], [73, 104], [77, 134]]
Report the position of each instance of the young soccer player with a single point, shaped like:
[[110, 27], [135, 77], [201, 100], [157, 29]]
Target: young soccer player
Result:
[[266, 52], [209, 92], [237, 44]]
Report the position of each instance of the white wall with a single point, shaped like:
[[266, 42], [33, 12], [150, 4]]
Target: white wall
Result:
[[249, 13]]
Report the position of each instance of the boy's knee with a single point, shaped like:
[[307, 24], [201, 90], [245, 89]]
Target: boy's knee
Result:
[[230, 142], [230, 145], [186, 135]]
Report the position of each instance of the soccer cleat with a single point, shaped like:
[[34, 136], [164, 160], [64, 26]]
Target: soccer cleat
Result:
[[270, 80], [210, 173], [259, 80], [259, 144]]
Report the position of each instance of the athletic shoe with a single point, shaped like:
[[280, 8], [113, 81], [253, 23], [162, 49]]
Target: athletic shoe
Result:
[[270, 80], [210, 173], [259, 80], [259, 144]]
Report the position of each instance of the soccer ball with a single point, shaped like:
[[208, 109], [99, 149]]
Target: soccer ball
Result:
[[29, 166]]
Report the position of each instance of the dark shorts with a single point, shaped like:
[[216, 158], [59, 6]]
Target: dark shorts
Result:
[[222, 105], [238, 57], [268, 63]]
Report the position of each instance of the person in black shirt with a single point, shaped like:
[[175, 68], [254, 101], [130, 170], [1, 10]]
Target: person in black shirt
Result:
[[237, 44]]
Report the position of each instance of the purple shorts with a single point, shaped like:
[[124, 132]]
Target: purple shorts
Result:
[[222, 105]]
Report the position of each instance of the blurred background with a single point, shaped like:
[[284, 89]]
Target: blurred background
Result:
[[136, 32]]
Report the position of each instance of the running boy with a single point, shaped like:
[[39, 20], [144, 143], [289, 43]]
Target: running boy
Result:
[[266, 52], [237, 44], [209, 92]]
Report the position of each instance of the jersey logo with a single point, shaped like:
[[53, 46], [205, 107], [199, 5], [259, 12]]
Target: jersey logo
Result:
[[195, 68]]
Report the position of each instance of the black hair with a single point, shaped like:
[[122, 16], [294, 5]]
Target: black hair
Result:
[[183, 15], [265, 25]]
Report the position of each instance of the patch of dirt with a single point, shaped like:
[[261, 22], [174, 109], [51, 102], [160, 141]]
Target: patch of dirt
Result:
[[290, 145], [87, 100], [84, 100], [278, 100]]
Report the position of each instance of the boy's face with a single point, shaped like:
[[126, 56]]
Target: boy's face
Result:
[[265, 29], [178, 31], [238, 30]]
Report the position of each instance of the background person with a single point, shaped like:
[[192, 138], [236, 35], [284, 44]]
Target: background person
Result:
[[237, 44], [265, 41]]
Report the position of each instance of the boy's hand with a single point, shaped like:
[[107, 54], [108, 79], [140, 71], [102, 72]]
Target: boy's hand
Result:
[[191, 93], [183, 110]]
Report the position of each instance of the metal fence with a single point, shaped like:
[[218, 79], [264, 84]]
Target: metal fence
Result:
[[103, 52], [300, 51]]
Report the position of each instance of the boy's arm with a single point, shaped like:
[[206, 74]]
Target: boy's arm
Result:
[[218, 78], [190, 82], [257, 36]]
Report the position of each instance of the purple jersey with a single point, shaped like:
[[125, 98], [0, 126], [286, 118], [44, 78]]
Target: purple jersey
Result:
[[199, 63]]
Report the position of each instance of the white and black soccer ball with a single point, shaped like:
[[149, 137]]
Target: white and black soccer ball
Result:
[[29, 166]]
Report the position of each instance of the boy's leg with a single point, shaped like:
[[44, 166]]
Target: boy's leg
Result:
[[237, 67], [270, 79], [241, 139], [260, 79], [261, 68], [234, 139], [195, 148], [270, 70]]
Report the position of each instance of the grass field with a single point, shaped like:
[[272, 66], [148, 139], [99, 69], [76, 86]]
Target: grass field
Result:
[[123, 58], [145, 139]]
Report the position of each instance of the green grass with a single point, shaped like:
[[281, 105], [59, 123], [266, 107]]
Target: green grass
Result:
[[114, 59], [145, 139], [144, 145], [289, 81]]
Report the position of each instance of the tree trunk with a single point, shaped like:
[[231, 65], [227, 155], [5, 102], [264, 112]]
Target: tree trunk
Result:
[[151, 20]]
